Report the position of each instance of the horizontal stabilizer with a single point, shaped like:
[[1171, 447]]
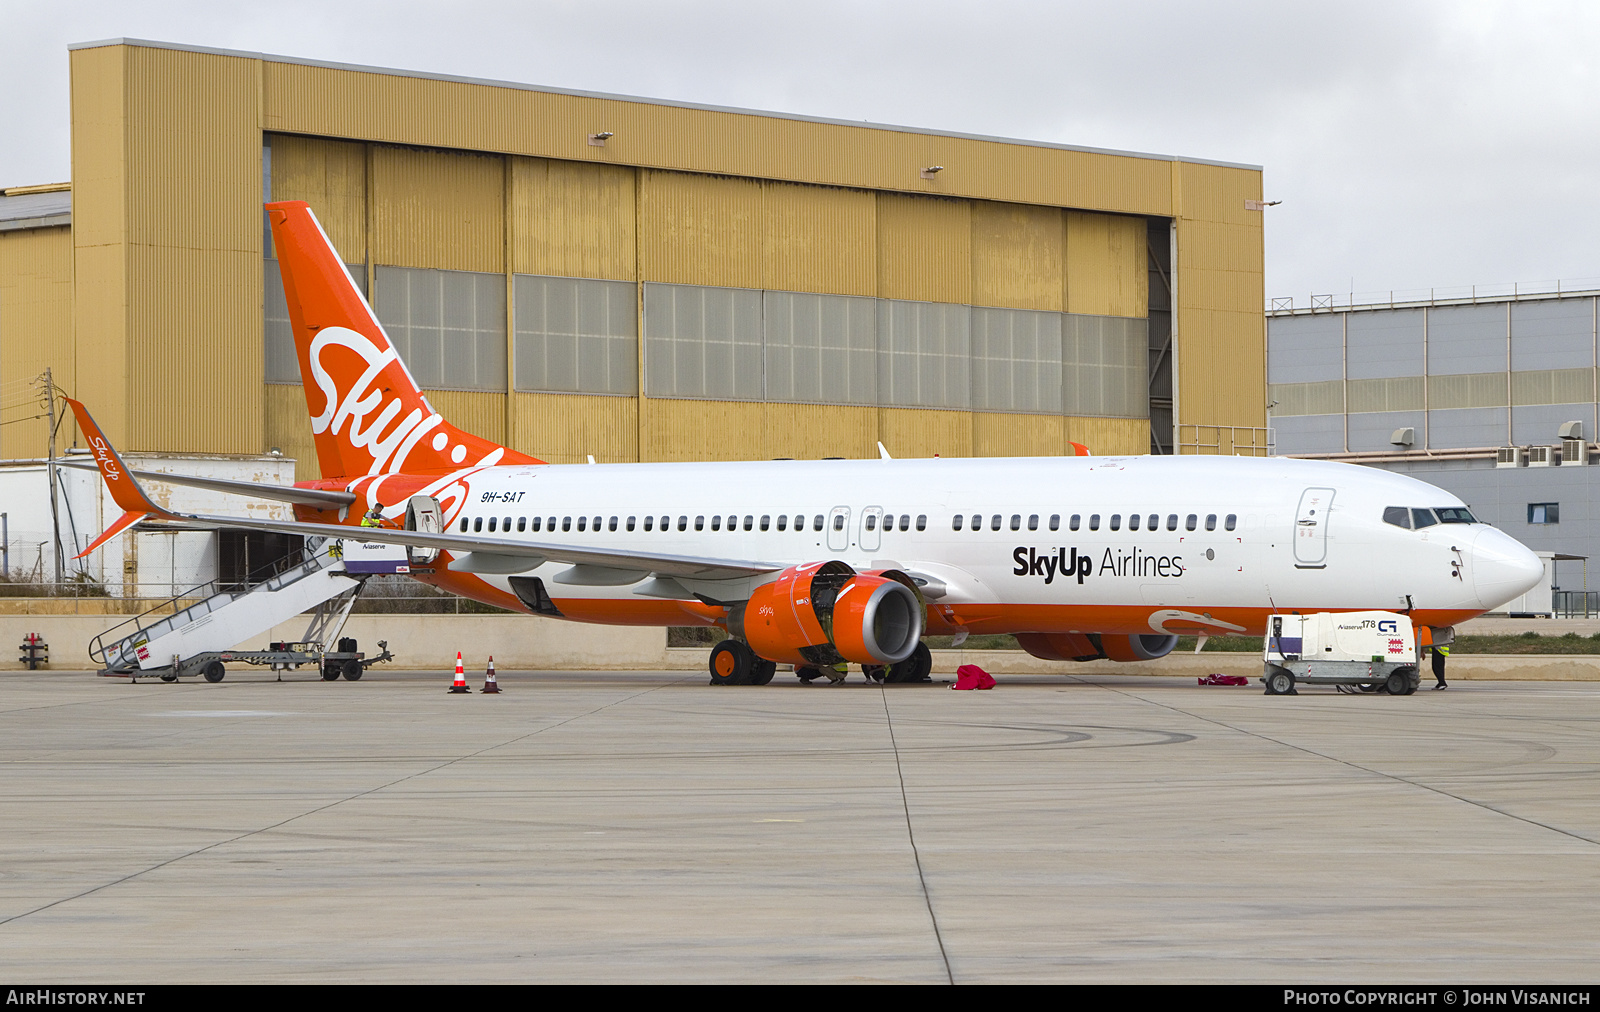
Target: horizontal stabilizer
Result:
[[318, 497]]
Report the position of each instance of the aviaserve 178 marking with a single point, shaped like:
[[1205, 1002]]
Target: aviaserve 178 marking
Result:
[[822, 563]]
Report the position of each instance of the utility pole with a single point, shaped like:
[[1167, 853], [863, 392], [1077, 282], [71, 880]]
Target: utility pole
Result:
[[50, 472]]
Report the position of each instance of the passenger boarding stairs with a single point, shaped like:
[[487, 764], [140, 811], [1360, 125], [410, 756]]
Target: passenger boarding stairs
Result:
[[222, 618]]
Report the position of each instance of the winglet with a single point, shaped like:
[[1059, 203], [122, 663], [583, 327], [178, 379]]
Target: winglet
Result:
[[883, 453], [1079, 450], [124, 488], [123, 523]]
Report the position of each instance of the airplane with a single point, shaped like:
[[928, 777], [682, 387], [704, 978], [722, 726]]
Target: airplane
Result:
[[827, 563]]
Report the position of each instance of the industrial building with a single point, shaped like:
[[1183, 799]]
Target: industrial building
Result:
[[578, 274], [1492, 397]]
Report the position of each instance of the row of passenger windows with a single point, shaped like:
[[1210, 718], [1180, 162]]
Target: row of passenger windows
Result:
[[1152, 522], [890, 522], [548, 524]]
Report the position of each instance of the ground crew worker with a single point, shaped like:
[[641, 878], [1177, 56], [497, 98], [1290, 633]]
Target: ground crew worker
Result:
[[374, 517], [1440, 652]]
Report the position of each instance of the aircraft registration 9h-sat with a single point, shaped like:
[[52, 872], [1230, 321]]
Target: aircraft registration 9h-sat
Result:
[[823, 563]]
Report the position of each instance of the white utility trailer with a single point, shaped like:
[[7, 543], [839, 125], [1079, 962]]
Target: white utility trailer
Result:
[[1373, 649]]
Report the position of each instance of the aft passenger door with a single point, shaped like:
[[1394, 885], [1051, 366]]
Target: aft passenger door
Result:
[[1311, 528], [839, 529]]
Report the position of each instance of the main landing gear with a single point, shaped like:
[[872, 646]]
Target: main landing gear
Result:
[[734, 663]]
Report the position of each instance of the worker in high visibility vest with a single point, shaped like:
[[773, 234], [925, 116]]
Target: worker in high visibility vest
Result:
[[374, 517], [1440, 652]]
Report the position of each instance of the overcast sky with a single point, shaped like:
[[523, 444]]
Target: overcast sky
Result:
[[1414, 143]]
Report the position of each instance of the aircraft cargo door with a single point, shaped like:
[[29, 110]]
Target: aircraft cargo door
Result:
[[1311, 528]]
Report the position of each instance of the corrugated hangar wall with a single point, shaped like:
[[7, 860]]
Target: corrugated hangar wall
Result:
[[433, 175], [36, 321]]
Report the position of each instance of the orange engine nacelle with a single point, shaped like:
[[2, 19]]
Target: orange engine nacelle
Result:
[[1090, 647], [825, 612]]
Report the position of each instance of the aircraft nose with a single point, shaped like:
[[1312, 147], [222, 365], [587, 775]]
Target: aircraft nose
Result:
[[1502, 568]]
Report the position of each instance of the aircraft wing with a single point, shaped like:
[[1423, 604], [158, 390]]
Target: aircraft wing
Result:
[[320, 498], [690, 566]]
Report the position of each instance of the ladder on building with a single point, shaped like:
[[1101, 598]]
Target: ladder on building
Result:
[[223, 617]]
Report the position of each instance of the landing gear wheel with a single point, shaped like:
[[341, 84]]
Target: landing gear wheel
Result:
[[1280, 682], [761, 672], [1397, 683], [731, 663], [214, 671], [807, 674], [353, 670], [915, 668], [330, 671]]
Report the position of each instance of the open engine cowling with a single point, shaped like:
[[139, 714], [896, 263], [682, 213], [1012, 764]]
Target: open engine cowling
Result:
[[825, 612], [1091, 647]]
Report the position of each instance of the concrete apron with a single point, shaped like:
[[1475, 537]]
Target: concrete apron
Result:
[[520, 643]]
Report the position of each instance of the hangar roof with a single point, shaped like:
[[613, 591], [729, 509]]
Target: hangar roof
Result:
[[269, 58]]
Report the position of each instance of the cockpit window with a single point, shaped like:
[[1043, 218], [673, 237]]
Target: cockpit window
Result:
[[1421, 518], [1397, 515], [1455, 515]]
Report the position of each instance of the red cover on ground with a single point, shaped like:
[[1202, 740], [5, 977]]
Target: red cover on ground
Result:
[[1223, 680], [970, 676]]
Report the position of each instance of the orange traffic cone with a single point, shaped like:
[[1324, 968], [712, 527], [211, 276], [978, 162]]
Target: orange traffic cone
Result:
[[460, 684], [489, 684]]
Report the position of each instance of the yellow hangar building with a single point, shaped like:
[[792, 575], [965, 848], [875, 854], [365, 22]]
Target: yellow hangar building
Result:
[[574, 274]]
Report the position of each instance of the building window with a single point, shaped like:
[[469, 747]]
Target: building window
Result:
[[1544, 513], [576, 335], [820, 349], [1105, 363], [448, 326], [1016, 361], [924, 354], [702, 342]]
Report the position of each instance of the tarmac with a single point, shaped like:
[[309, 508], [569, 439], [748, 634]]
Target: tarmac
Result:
[[647, 827]]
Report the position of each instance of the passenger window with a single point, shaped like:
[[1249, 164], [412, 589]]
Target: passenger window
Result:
[[1016, 521], [597, 524], [1421, 518], [477, 525], [1055, 521], [838, 521], [666, 523], [583, 523], [872, 522], [1154, 523], [1133, 521], [1094, 521], [783, 521], [977, 522], [766, 521], [505, 525], [1191, 522], [816, 522], [550, 525], [1231, 522], [566, 524], [699, 523], [1116, 521], [491, 524], [905, 522], [994, 522], [1072, 524], [955, 522], [683, 523], [922, 521], [611, 526], [1211, 521], [649, 523], [463, 525], [522, 524], [1172, 521], [716, 522], [1033, 521], [630, 523]]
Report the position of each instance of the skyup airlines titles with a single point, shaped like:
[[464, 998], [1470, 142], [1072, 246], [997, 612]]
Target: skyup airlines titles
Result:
[[1067, 562]]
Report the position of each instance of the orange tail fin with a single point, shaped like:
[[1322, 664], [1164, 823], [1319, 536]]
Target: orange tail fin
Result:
[[367, 413]]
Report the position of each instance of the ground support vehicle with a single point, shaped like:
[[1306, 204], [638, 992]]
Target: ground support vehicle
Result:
[[1376, 650]]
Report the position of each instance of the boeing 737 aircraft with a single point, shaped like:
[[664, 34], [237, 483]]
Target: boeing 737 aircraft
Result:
[[821, 563]]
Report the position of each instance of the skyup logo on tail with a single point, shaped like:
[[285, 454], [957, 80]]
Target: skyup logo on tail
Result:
[[1066, 562]]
